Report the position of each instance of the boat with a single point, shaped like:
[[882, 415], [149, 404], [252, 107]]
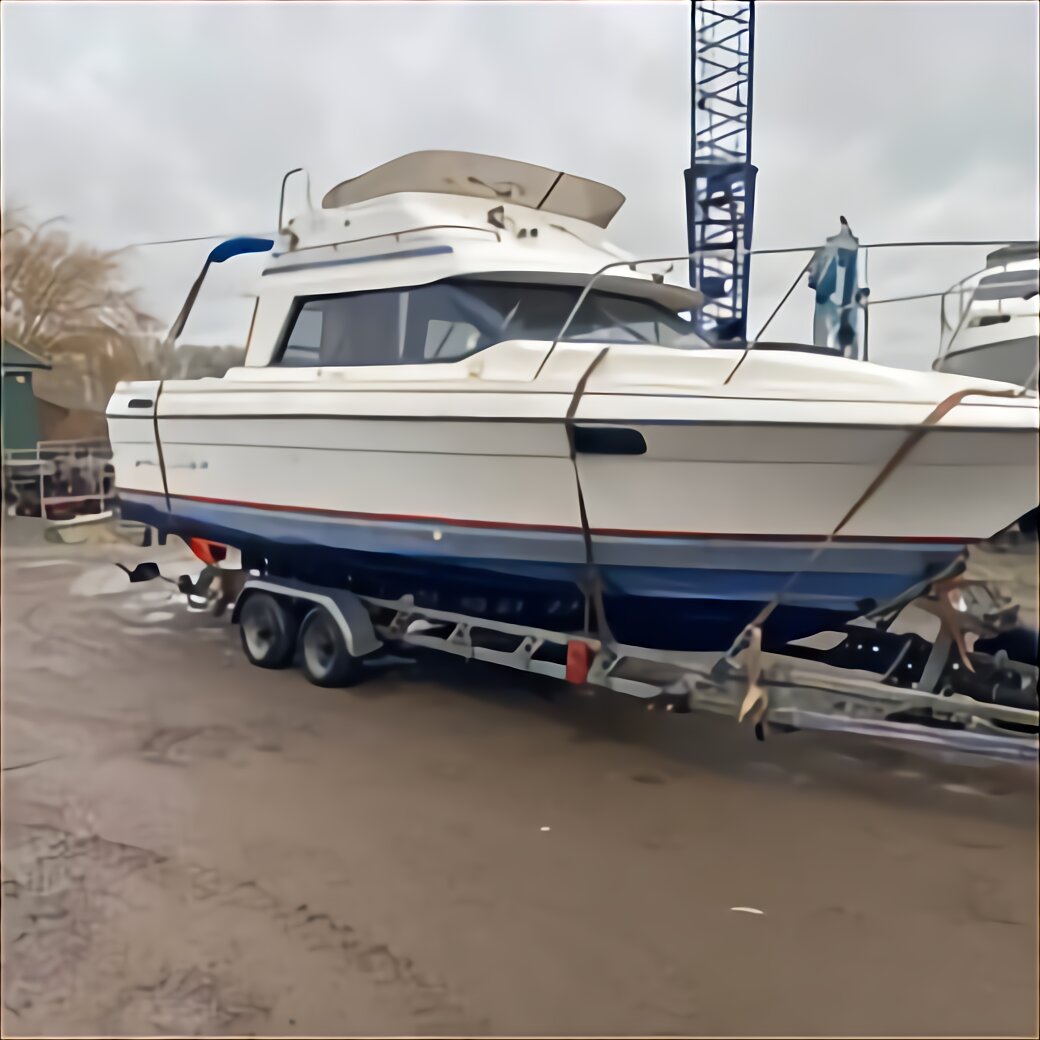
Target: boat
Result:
[[445, 396], [990, 321], [990, 326]]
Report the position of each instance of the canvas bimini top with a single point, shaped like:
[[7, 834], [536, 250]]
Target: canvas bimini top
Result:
[[486, 177]]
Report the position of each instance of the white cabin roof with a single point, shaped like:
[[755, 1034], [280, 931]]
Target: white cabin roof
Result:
[[485, 177], [430, 216]]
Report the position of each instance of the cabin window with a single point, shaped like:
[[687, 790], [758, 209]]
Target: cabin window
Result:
[[445, 321], [449, 339], [334, 331], [304, 343]]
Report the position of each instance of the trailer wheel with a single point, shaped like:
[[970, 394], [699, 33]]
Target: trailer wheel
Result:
[[324, 657], [268, 631]]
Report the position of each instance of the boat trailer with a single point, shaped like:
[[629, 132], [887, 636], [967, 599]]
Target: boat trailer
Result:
[[330, 632]]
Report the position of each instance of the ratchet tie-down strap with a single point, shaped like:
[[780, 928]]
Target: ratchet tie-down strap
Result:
[[593, 583], [756, 700]]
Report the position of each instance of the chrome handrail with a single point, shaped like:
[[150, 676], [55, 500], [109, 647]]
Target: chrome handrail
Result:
[[749, 344]]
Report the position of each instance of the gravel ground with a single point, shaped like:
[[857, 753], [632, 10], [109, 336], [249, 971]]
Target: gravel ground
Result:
[[194, 846]]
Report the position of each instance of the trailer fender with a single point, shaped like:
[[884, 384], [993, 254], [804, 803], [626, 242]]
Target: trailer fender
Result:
[[347, 610]]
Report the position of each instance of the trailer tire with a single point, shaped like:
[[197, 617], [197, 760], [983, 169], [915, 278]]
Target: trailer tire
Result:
[[268, 630], [324, 657]]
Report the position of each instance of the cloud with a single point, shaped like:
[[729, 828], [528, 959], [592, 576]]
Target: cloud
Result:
[[158, 120]]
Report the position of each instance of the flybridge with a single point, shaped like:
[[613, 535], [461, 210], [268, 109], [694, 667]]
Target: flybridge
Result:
[[469, 200], [471, 175]]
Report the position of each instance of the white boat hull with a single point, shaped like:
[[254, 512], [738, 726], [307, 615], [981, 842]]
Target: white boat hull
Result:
[[444, 471]]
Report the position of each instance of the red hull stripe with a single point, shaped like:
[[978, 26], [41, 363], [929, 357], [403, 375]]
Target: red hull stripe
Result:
[[504, 525]]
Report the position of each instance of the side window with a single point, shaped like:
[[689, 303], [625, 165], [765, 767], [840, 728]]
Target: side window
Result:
[[334, 331], [446, 340], [304, 345], [446, 321], [440, 321]]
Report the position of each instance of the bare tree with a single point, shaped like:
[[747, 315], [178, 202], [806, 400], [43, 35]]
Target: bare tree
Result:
[[188, 361], [67, 302]]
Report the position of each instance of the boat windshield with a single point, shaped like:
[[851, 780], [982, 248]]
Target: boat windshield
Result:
[[446, 320], [530, 311]]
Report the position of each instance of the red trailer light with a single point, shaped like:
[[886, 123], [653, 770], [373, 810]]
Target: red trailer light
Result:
[[210, 553], [579, 656]]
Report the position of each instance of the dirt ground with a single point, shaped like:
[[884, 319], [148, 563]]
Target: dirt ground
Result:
[[192, 845]]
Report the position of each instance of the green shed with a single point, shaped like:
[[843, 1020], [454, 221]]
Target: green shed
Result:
[[19, 408]]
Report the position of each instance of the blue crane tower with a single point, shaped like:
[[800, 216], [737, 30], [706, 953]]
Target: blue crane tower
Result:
[[720, 184]]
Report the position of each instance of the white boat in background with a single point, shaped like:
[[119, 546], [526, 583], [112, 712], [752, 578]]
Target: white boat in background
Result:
[[409, 419], [991, 320], [990, 326]]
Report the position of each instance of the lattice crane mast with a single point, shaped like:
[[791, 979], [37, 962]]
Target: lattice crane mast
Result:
[[720, 184]]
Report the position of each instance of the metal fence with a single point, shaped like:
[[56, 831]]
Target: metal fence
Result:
[[59, 480]]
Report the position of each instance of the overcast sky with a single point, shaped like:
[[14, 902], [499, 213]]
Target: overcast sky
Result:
[[148, 120]]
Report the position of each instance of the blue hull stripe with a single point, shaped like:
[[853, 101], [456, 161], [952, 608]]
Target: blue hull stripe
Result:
[[669, 568]]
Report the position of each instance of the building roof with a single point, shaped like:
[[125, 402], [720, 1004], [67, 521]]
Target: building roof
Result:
[[17, 358], [486, 177]]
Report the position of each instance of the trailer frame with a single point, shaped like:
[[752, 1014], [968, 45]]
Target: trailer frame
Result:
[[795, 694]]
